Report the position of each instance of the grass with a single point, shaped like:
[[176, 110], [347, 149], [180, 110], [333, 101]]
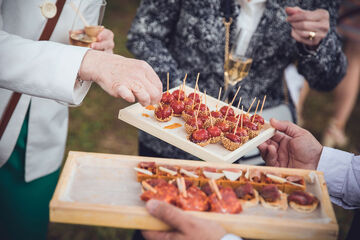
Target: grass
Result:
[[94, 127]]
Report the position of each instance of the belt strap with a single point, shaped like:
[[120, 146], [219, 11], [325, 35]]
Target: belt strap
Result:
[[15, 97]]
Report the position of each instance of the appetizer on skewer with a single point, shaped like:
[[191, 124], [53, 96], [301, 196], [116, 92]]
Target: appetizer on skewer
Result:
[[192, 124], [231, 141], [200, 137], [163, 113], [165, 192], [193, 200], [167, 97], [224, 200], [215, 134]]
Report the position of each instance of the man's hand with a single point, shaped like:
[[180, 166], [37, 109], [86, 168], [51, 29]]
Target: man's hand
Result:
[[294, 147], [303, 22], [104, 41], [185, 226], [122, 77]]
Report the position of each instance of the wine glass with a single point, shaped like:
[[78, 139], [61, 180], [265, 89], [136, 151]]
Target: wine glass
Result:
[[87, 22], [238, 64]]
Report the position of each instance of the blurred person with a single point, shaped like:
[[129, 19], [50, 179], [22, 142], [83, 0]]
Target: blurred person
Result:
[[346, 93], [50, 75], [291, 147], [184, 36]]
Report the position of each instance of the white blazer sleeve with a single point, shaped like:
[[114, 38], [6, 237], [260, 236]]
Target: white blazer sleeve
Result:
[[41, 68]]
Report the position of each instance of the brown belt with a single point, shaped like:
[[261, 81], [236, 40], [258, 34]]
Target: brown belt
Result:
[[15, 97]]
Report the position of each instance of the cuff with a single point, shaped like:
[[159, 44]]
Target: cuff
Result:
[[334, 164], [65, 77], [231, 237]]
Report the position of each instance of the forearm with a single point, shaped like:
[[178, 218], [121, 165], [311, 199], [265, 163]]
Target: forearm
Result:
[[342, 175], [41, 68]]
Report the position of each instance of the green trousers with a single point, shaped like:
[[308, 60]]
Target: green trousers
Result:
[[24, 207]]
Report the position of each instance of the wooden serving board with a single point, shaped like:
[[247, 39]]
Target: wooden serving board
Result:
[[133, 115], [101, 189]]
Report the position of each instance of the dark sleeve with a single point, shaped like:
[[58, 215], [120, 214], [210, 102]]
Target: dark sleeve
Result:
[[150, 33], [325, 67]]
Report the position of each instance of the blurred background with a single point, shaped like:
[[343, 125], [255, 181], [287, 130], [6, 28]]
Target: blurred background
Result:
[[94, 127]]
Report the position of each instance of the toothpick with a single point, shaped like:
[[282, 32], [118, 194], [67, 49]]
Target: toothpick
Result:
[[160, 105], [232, 101], [239, 102], [184, 81], [215, 188], [255, 111], [167, 84], [242, 115], [205, 102], [183, 186], [250, 106], [262, 105], [197, 127], [237, 124], [197, 79], [80, 14], [218, 100], [178, 183], [179, 93], [148, 187]]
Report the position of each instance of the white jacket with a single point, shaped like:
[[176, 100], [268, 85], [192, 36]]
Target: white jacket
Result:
[[46, 72]]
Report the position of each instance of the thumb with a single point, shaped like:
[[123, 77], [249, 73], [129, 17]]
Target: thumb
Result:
[[167, 213], [289, 128]]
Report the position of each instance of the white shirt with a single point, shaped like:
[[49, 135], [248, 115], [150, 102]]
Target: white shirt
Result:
[[247, 22]]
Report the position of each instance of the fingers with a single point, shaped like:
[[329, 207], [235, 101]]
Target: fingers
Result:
[[169, 214], [298, 14], [104, 41], [286, 127], [125, 93], [140, 93], [155, 235], [271, 156]]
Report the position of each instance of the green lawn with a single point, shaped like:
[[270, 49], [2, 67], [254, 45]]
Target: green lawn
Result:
[[94, 127]]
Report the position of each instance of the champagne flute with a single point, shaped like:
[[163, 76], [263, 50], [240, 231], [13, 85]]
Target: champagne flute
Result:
[[238, 64], [87, 22]]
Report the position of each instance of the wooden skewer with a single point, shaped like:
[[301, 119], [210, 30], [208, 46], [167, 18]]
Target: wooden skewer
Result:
[[231, 103], [178, 183], [250, 106], [179, 93], [183, 186], [205, 101], [215, 188], [255, 111], [197, 127], [239, 102], [148, 187], [80, 14], [167, 84], [237, 124], [218, 100], [160, 105], [262, 105], [197, 80], [184, 81], [242, 115]]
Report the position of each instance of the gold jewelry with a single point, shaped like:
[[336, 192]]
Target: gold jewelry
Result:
[[312, 35]]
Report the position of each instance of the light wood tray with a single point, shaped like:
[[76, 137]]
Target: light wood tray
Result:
[[177, 137], [101, 189]]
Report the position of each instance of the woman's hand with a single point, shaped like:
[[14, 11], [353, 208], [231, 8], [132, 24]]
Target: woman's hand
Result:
[[308, 27], [104, 41]]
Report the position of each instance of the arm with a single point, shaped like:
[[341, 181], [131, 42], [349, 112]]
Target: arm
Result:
[[151, 31], [342, 175], [325, 66], [41, 68]]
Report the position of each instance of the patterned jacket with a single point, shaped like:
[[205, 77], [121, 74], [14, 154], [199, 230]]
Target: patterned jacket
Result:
[[187, 36]]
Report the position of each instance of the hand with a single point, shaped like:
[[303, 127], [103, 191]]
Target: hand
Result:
[[122, 77], [303, 22], [185, 226], [104, 41], [295, 147]]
